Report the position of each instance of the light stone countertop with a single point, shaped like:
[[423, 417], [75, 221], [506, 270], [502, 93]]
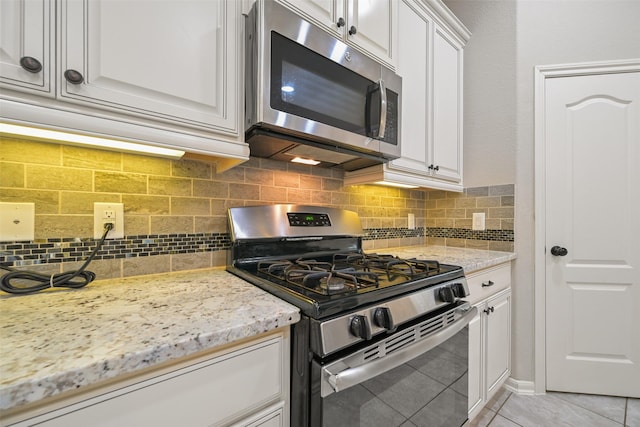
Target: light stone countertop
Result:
[[61, 340], [469, 259]]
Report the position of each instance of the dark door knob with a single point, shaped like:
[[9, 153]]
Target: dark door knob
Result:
[[340, 22], [352, 30], [559, 251], [74, 77], [30, 64]]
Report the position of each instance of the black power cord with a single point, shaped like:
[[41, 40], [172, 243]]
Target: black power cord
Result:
[[59, 280]]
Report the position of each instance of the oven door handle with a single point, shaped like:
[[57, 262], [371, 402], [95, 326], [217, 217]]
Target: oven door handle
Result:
[[356, 375]]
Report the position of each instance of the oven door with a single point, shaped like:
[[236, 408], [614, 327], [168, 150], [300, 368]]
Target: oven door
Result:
[[416, 376]]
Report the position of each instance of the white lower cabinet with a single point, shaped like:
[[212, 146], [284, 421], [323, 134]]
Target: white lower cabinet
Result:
[[489, 335], [246, 385], [270, 417]]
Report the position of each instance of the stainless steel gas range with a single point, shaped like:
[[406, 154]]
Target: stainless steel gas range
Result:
[[383, 341]]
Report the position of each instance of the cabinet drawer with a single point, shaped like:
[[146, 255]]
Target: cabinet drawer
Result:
[[209, 393], [484, 283]]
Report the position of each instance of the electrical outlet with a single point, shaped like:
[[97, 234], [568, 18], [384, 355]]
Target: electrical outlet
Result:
[[478, 221], [411, 221], [104, 213], [17, 221]]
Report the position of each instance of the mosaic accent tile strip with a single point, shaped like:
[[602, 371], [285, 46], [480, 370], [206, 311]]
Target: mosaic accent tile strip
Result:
[[465, 233], [19, 254], [392, 233]]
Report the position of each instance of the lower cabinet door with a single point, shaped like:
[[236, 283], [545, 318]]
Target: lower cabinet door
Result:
[[210, 393], [498, 329]]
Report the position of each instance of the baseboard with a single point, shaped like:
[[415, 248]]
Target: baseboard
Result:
[[519, 386]]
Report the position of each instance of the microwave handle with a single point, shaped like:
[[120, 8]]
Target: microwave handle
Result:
[[383, 109]]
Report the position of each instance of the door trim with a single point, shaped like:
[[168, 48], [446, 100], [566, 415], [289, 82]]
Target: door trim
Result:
[[541, 74]]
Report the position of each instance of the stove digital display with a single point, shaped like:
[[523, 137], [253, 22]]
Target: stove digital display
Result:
[[297, 219]]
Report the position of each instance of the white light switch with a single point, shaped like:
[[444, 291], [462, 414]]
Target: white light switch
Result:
[[17, 221], [478, 221]]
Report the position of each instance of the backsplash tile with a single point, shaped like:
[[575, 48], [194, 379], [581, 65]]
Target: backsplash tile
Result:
[[449, 217], [175, 211]]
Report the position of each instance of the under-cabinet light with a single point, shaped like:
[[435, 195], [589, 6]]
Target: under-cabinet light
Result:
[[305, 161], [395, 184], [85, 140]]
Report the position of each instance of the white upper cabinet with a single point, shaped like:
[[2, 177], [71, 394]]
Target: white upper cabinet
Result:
[[445, 159], [26, 45], [171, 60], [168, 74], [366, 24], [430, 61]]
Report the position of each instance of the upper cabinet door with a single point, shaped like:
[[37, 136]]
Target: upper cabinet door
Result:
[[326, 13], [413, 63], [370, 25], [176, 61], [26, 45], [365, 24], [446, 149]]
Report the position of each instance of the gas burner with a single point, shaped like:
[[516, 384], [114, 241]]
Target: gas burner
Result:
[[322, 281], [332, 284]]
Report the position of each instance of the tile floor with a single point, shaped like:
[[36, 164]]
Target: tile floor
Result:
[[553, 409]]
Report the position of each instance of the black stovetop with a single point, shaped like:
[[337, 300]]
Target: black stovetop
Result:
[[324, 285]]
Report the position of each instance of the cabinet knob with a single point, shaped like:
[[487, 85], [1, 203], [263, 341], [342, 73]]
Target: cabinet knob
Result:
[[74, 77], [488, 310], [352, 31], [30, 64], [436, 168], [487, 283], [340, 22]]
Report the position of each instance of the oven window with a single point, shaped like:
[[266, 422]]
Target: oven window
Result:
[[429, 390]]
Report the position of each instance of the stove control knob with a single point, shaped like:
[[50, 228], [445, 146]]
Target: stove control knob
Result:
[[446, 294], [458, 290], [359, 327], [382, 318]]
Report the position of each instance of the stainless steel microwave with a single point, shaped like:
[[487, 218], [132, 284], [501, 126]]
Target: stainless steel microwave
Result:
[[312, 97]]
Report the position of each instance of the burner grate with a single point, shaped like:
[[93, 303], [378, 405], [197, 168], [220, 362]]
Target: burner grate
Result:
[[346, 272]]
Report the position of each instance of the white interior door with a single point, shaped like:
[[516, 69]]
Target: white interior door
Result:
[[592, 187]]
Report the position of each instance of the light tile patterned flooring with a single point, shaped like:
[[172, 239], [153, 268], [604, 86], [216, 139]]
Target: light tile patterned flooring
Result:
[[553, 409]]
